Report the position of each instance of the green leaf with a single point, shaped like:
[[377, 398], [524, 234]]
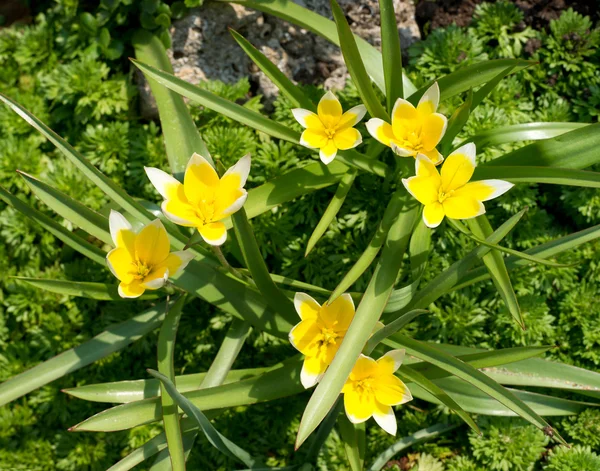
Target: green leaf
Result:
[[121, 392], [221, 443], [391, 328], [367, 314], [354, 437], [230, 348], [445, 281], [520, 132], [355, 65], [248, 117], [407, 374], [551, 175], [494, 262], [575, 149], [473, 400], [323, 432], [170, 413], [471, 77], [256, 264], [311, 21], [283, 84], [282, 381], [181, 135], [99, 291], [456, 122], [332, 209], [114, 338], [423, 435], [472, 376], [391, 53], [69, 238], [392, 210], [72, 210]]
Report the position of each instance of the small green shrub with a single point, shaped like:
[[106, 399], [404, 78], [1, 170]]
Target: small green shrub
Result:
[[578, 458]]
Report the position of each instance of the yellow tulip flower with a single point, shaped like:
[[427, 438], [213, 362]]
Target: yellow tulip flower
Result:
[[413, 130], [329, 130], [450, 194], [203, 199], [320, 333], [142, 260], [372, 389]]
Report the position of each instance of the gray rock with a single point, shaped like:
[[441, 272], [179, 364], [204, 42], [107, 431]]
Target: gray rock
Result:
[[204, 49]]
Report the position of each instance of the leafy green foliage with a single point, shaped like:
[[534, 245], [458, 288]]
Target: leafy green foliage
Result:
[[578, 458]]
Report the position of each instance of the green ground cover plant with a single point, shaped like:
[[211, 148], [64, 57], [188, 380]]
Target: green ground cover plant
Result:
[[43, 72]]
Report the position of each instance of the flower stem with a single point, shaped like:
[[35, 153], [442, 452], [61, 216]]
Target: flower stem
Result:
[[219, 253]]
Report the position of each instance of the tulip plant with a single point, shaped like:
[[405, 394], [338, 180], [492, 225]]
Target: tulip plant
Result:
[[353, 355]]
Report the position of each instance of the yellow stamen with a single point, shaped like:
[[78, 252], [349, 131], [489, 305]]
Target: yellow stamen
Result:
[[443, 195], [140, 270]]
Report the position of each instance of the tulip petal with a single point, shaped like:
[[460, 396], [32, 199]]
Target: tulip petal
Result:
[[306, 306], [329, 110], [385, 418], [156, 279], [232, 208], [424, 167], [180, 213], [434, 127], [307, 119], [359, 407], [339, 314], [200, 180], [402, 151], [303, 337], [484, 190], [404, 117], [463, 207], [391, 391], [381, 131], [237, 174], [214, 233], [424, 189], [314, 138], [391, 361], [433, 214], [433, 155], [121, 231], [347, 139], [165, 184], [176, 261], [312, 372], [131, 290], [430, 100], [152, 244], [120, 262], [364, 366], [458, 167], [328, 153], [352, 117]]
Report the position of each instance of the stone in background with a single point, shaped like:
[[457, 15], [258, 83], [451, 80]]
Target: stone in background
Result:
[[203, 48]]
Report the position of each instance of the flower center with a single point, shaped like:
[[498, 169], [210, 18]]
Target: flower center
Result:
[[412, 140], [331, 130], [328, 337], [140, 270], [364, 386], [205, 210], [442, 195]]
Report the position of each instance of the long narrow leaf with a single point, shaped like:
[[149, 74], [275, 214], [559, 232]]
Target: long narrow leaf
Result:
[[283, 84], [391, 54], [113, 339], [332, 209], [551, 175], [354, 437], [221, 443]]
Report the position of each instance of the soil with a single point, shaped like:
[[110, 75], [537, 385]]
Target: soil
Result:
[[432, 14]]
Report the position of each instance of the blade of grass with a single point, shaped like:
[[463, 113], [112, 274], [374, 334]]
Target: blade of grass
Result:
[[391, 54], [550, 175], [283, 84], [423, 435], [367, 314], [355, 65], [181, 136], [170, 413], [482, 229], [332, 209]]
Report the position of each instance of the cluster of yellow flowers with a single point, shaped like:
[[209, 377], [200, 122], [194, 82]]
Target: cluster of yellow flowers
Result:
[[142, 259]]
